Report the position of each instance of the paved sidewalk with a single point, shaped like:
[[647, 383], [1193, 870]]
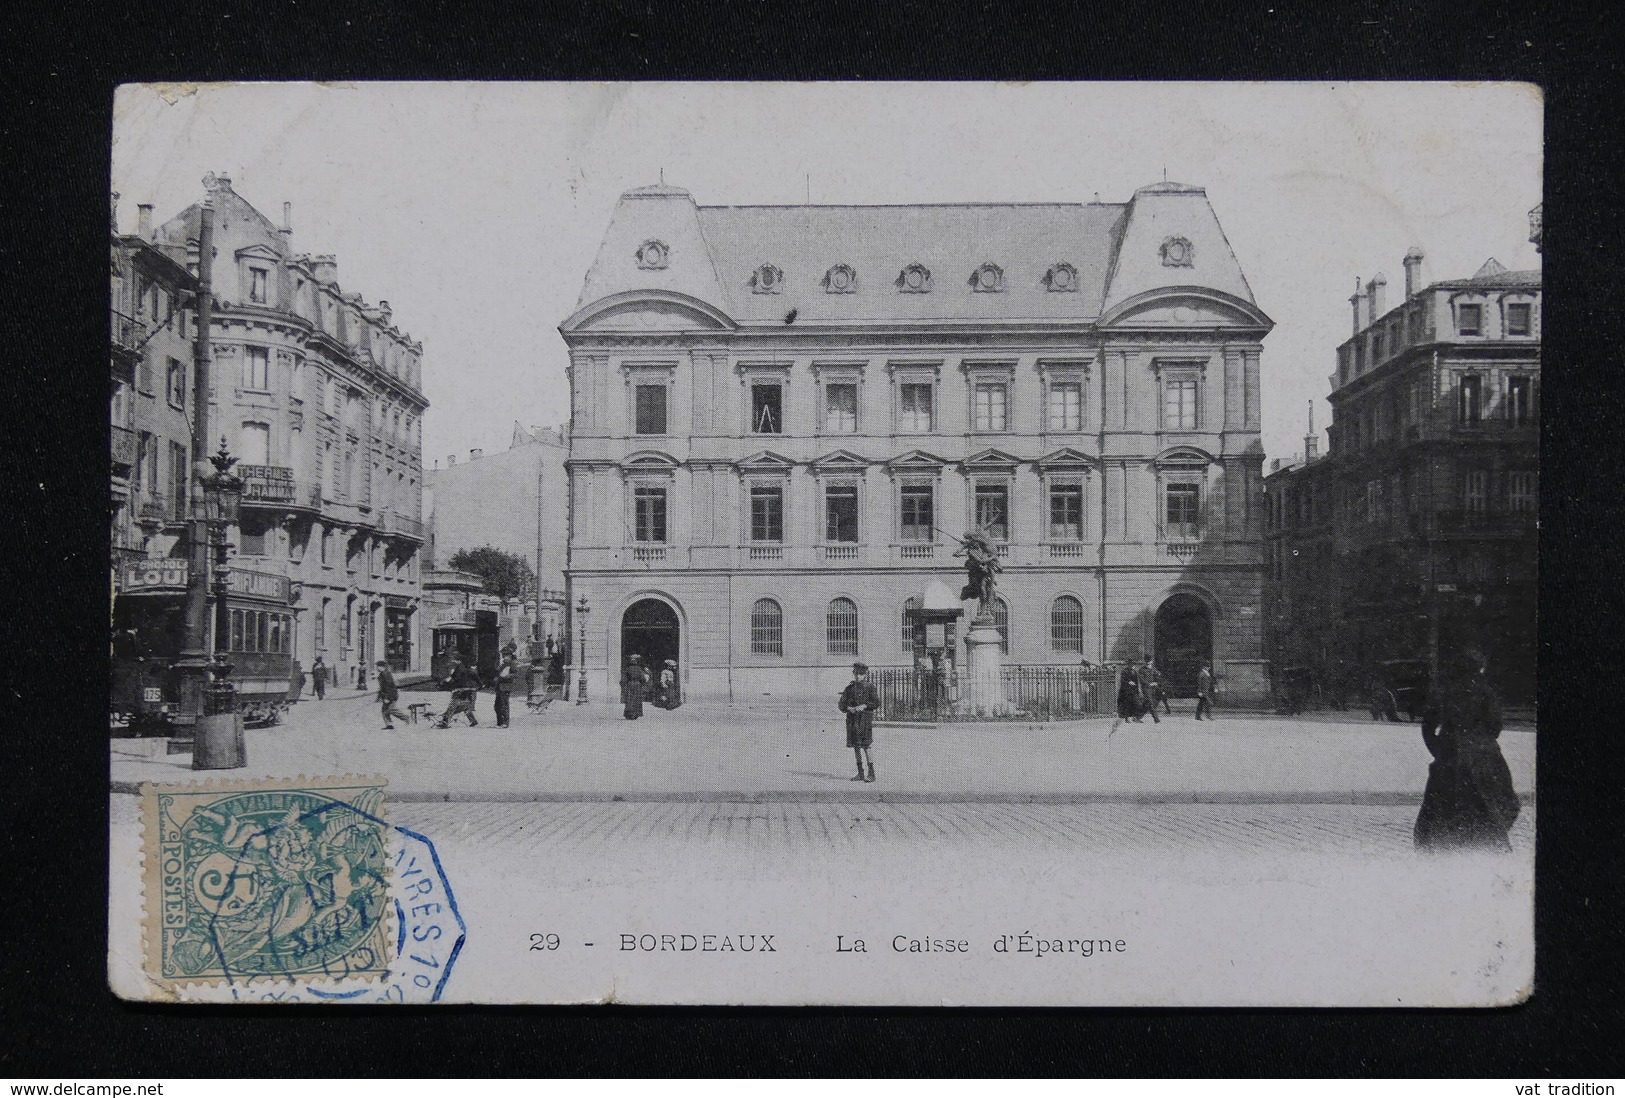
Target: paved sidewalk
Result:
[[764, 753]]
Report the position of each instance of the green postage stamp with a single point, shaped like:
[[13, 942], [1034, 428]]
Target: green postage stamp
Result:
[[270, 879]]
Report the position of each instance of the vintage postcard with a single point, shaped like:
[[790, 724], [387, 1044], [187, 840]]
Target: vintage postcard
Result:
[[934, 544]]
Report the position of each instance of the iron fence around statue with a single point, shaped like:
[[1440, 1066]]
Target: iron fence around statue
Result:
[[1035, 693]]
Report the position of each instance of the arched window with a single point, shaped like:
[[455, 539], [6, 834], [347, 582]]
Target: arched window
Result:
[[1066, 624], [842, 627], [766, 628], [907, 635], [1001, 622]]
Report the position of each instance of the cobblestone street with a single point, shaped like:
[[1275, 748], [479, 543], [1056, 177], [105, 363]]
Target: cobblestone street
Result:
[[606, 830]]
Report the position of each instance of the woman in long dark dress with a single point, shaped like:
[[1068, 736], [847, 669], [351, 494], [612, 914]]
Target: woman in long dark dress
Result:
[[1469, 800], [633, 683], [1128, 694]]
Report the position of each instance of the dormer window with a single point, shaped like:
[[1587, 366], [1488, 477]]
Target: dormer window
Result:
[[1176, 251], [841, 279], [914, 279], [768, 279], [257, 280], [654, 255], [1061, 279], [988, 279]]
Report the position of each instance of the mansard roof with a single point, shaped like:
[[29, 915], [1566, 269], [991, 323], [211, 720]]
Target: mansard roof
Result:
[[660, 239]]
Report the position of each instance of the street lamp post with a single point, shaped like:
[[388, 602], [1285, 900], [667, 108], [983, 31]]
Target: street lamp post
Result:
[[218, 742], [581, 684]]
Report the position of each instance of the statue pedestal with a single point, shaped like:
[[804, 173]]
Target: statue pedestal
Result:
[[984, 685]]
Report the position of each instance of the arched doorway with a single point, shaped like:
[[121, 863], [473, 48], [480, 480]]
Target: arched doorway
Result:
[[1184, 642], [649, 628]]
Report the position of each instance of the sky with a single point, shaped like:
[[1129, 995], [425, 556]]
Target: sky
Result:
[[476, 209]]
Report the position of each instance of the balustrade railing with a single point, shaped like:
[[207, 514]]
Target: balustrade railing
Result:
[[649, 554], [839, 552], [1034, 693]]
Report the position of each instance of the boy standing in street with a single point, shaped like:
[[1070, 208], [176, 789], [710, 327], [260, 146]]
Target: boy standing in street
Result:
[[1204, 692], [388, 695], [859, 701], [505, 676]]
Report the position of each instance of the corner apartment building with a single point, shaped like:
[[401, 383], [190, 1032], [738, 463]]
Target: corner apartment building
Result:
[[1417, 531], [781, 416], [318, 394]]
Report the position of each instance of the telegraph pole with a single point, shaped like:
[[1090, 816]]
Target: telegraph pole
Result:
[[194, 659]]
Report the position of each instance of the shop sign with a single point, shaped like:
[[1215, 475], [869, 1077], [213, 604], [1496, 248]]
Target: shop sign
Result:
[[156, 576], [445, 615], [257, 585], [397, 602], [266, 483]]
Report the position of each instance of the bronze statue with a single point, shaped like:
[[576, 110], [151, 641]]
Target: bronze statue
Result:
[[981, 566]]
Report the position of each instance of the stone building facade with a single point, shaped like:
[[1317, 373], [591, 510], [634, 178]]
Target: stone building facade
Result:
[[782, 415], [1417, 532], [318, 394], [153, 324], [518, 501]]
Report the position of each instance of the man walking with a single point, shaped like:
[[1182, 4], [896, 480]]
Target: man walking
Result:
[[1154, 691], [1149, 689], [506, 670], [1204, 692], [859, 701], [388, 695], [463, 686], [318, 677]]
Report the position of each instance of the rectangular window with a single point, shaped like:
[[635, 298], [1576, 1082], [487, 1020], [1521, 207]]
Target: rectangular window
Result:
[[1523, 493], [1066, 406], [841, 408], [254, 444], [1183, 509], [1179, 404], [990, 407], [766, 513], [1518, 319], [1520, 403], [1469, 319], [143, 376], [1470, 400], [918, 514], [119, 407], [178, 478], [237, 630], [256, 368], [993, 510], [649, 513], [256, 285], [251, 541], [841, 514], [176, 386], [1475, 492], [651, 409], [321, 625], [915, 412], [1066, 512], [1376, 347], [767, 409], [147, 454]]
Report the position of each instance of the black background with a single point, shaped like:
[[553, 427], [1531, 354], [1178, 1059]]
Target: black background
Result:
[[60, 1020]]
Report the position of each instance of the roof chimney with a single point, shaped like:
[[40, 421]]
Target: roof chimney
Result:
[[1376, 289], [1355, 305], [324, 268], [451, 459], [114, 211], [1413, 272], [1311, 441], [287, 219], [475, 454], [143, 221]]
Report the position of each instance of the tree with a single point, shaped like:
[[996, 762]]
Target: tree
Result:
[[504, 575]]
